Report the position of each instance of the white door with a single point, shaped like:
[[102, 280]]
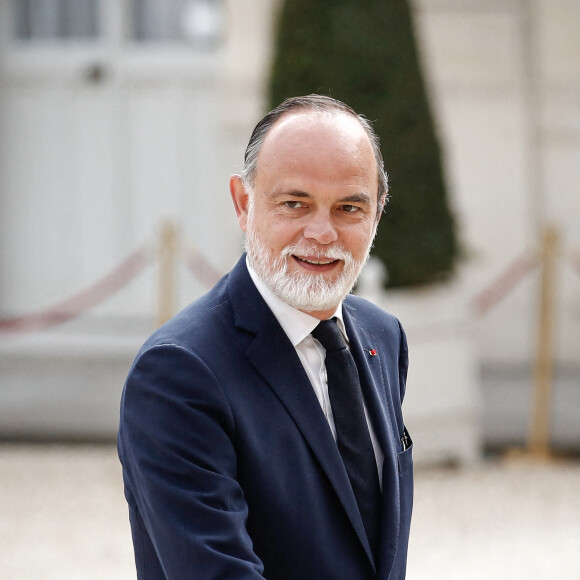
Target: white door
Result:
[[107, 126]]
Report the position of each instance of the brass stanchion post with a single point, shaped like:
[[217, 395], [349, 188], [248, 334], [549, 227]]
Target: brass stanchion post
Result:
[[539, 437], [167, 273]]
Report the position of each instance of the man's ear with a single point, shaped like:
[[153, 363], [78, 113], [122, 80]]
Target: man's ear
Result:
[[241, 199], [382, 206]]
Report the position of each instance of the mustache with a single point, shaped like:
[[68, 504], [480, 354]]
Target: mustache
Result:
[[332, 252]]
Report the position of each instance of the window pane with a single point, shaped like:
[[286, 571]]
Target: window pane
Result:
[[55, 19], [156, 20], [80, 18], [199, 22]]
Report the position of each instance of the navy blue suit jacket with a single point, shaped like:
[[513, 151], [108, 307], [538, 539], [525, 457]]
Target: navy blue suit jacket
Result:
[[230, 467]]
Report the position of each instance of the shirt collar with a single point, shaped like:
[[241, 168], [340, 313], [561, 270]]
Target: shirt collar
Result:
[[296, 324]]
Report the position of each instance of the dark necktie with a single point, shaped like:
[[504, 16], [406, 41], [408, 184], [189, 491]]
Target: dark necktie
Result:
[[352, 433]]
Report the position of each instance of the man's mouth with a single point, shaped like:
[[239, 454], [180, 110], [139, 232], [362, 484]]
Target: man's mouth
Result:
[[322, 263]]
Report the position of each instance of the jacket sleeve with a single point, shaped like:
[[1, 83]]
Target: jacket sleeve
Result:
[[176, 444]]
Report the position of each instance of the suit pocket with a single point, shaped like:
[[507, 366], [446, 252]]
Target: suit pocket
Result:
[[405, 461]]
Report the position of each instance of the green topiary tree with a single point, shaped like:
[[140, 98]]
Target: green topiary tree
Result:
[[363, 52]]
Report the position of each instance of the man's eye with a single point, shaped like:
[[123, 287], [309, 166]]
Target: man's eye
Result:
[[293, 204], [350, 208]]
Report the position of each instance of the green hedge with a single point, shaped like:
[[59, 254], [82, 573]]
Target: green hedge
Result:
[[363, 52]]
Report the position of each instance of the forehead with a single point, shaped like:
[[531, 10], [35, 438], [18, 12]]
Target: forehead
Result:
[[317, 143]]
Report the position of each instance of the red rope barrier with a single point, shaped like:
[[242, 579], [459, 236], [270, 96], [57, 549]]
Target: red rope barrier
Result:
[[209, 275], [503, 284], [201, 268], [84, 300]]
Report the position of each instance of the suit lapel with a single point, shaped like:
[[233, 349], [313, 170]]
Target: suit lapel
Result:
[[376, 389], [275, 359], [373, 382]]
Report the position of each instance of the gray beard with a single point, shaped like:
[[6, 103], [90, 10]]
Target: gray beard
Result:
[[308, 292]]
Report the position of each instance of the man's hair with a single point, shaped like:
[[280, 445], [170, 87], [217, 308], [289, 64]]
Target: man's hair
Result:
[[315, 103]]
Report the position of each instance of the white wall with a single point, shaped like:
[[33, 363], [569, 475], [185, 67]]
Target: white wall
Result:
[[506, 85]]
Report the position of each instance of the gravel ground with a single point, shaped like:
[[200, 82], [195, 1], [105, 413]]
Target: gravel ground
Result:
[[63, 516]]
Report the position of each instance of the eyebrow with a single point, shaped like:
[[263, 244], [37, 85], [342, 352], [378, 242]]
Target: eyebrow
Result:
[[356, 198]]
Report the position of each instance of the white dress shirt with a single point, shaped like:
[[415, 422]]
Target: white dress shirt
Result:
[[298, 327]]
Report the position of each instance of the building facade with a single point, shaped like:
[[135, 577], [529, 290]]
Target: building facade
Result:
[[118, 116]]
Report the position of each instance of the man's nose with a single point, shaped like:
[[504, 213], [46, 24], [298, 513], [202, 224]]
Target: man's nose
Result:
[[320, 229]]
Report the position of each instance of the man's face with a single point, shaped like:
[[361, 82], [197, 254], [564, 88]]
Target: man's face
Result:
[[312, 215]]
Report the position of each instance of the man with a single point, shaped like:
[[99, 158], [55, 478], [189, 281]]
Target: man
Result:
[[256, 440]]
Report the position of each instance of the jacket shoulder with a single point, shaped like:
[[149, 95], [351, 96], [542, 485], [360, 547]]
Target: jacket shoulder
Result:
[[198, 321], [371, 316]]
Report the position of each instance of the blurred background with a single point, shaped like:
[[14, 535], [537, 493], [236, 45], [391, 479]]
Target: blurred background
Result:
[[120, 123]]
